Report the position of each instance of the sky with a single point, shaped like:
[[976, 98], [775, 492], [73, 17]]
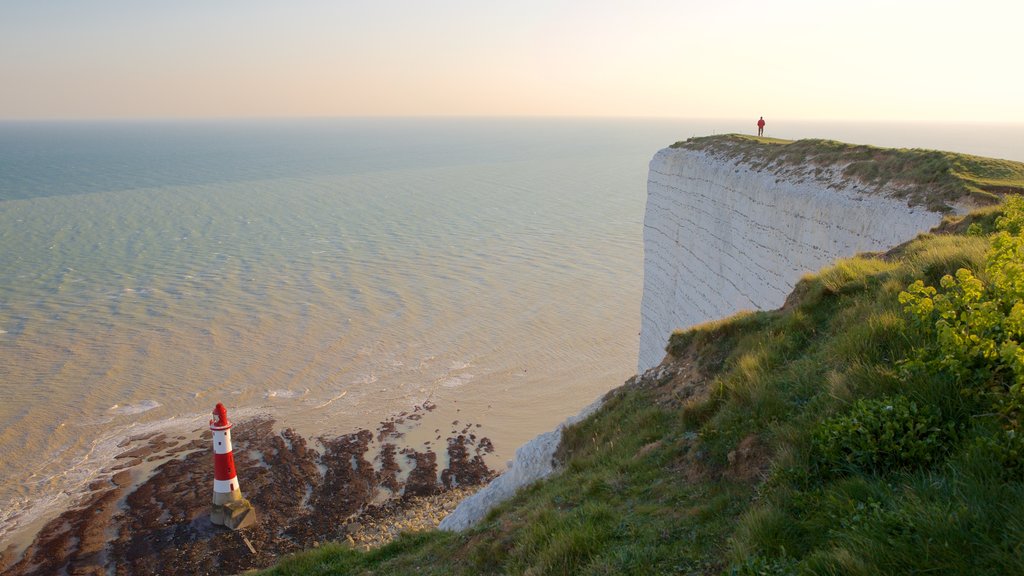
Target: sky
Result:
[[935, 60]]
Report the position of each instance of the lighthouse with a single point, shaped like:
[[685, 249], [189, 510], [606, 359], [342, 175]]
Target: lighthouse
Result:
[[229, 508]]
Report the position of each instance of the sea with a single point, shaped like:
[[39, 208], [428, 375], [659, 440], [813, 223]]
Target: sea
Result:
[[328, 273]]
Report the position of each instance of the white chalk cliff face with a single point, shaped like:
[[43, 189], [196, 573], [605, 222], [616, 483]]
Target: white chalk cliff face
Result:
[[721, 236]]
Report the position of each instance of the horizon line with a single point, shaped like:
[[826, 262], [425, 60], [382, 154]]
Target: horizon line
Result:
[[165, 119]]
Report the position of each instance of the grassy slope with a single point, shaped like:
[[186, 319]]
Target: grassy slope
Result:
[[710, 468]]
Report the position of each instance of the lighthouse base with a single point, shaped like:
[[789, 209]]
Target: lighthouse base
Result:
[[232, 511]]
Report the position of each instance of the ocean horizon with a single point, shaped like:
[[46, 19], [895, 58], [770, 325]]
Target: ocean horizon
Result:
[[328, 273]]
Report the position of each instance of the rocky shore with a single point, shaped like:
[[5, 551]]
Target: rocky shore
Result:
[[365, 488]]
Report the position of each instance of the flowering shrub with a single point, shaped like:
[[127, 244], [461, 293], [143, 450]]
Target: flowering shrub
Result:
[[973, 329]]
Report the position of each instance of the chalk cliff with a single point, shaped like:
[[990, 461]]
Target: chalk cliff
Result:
[[729, 228], [723, 233]]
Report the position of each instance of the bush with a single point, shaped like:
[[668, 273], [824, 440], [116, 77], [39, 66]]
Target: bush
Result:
[[882, 435]]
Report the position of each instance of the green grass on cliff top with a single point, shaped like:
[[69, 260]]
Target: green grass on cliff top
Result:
[[715, 470], [928, 177]]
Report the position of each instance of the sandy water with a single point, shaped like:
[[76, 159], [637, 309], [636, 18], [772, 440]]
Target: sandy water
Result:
[[329, 273]]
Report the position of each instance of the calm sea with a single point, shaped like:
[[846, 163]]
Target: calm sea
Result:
[[329, 273]]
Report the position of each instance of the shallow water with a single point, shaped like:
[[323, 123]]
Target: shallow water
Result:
[[329, 273]]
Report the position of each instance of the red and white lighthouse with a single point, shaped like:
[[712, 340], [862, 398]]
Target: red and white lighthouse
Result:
[[229, 508]]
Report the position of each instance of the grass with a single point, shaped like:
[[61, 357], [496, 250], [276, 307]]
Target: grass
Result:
[[925, 177], [733, 479]]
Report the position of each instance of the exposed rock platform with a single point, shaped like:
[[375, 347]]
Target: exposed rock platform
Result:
[[363, 488]]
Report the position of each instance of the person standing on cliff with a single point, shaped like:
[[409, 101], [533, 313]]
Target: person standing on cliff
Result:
[[760, 126]]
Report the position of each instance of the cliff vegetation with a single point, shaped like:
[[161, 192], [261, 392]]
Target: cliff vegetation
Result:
[[872, 425], [925, 177]]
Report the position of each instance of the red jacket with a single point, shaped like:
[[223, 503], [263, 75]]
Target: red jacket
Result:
[[760, 123]]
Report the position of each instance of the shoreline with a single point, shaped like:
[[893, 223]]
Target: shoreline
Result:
[[363, 487]]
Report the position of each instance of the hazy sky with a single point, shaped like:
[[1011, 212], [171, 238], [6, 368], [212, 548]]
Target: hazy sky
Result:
[[940, 60]]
